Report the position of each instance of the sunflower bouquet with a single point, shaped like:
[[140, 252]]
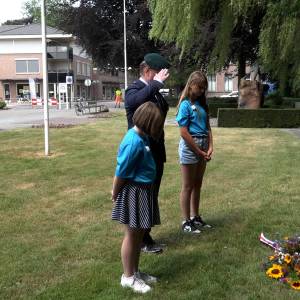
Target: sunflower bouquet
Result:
[[284, 264]]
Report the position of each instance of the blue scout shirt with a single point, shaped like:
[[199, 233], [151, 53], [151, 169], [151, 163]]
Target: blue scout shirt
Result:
[[193, 116], [135, 161]]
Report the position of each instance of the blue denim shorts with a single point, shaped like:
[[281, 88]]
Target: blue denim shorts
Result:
[[186, 155]]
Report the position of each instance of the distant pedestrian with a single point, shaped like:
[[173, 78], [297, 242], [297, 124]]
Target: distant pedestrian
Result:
[[118, 98], [136, 205], [195, 149]]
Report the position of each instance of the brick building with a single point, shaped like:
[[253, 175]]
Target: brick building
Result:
[[21, 60]]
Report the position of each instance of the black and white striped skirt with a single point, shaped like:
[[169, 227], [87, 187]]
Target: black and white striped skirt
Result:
[[137, 206]]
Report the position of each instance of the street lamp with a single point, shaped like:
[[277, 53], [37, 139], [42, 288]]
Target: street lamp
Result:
[[125, 51]]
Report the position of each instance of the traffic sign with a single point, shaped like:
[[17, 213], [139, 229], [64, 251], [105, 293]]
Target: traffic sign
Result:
[[88, 82]]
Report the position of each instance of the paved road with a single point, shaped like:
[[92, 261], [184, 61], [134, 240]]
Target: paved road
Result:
[[23, 116]]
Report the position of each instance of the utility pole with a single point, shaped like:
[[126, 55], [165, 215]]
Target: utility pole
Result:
[[45, 77], [125, 50]]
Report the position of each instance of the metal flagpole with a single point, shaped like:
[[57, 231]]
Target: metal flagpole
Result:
[[45, 77], [125, 51]]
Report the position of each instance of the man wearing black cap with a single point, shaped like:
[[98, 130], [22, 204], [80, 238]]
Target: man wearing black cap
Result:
[[153, 72]]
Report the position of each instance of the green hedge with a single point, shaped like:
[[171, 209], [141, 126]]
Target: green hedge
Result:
[[172, 101], [213, 108], [2, 104], [259, 118], [229, 102], [222, 100], [275, 100]]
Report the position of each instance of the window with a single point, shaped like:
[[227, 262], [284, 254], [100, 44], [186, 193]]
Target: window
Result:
[[33, 66], [21, 66], [85, 69], [228, 83], [211, 83], [27, 66]]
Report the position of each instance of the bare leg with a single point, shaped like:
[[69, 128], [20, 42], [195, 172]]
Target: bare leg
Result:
[[130, 250], [138, 250], [195, 196], [188, 173]]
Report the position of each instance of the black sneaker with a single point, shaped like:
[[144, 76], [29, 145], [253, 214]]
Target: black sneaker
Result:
[[155, 249], [189, 227], [198, 222]]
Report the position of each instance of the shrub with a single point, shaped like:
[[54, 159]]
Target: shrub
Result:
[[212, 102], [273, 99], [259, 118], [214, 107], [222, 100], [172, 101], [2, 104]]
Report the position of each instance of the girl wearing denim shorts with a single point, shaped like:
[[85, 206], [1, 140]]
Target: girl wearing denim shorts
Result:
[[195, 149]]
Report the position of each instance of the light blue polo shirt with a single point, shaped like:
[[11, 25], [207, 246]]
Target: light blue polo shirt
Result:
[[193, 116], [135, 161]]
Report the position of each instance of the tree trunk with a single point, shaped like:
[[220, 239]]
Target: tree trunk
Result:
[[241, 68]]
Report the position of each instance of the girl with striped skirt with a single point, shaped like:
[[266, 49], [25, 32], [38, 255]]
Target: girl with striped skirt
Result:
[[133, 192]]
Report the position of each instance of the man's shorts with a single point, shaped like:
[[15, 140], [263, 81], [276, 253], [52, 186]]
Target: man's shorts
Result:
[[186, 155]]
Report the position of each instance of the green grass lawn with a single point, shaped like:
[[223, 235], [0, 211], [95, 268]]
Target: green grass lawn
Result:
[[57, 240]]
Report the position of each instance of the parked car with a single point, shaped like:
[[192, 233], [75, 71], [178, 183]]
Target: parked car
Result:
[[233, 94], [165, 92]]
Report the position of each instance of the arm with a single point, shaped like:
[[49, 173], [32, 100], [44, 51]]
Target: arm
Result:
[[117, 185], [189, 140], [135, 97], [210, 139]]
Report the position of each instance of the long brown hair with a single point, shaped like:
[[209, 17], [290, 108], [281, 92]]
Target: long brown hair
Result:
[[196, 78]]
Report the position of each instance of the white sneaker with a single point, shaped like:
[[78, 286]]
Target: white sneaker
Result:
[[145, 277], [137, 284]]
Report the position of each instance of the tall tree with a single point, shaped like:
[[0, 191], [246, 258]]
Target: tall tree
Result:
[[209, 29], [98, 25], [280, 44], [55, 8], [239, 31]]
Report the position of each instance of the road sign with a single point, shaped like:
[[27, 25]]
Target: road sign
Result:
[[69, 79], [62, 87], [88, 82]]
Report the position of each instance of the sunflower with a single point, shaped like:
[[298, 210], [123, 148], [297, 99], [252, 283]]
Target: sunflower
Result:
[[288, 258], [295, 285], [275, 271], [272, 257]]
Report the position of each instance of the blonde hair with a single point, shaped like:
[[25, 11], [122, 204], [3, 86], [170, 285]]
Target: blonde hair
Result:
[[196, 78], [149, 119]]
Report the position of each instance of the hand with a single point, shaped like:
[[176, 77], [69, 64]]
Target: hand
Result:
[[113, 197], [209, 152], [162, 75], [202, 153], [207, 158]]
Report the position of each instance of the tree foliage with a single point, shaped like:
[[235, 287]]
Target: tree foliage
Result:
[[98, 25], [280, 43], [234, 30], [23, 21], [32, 9]]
